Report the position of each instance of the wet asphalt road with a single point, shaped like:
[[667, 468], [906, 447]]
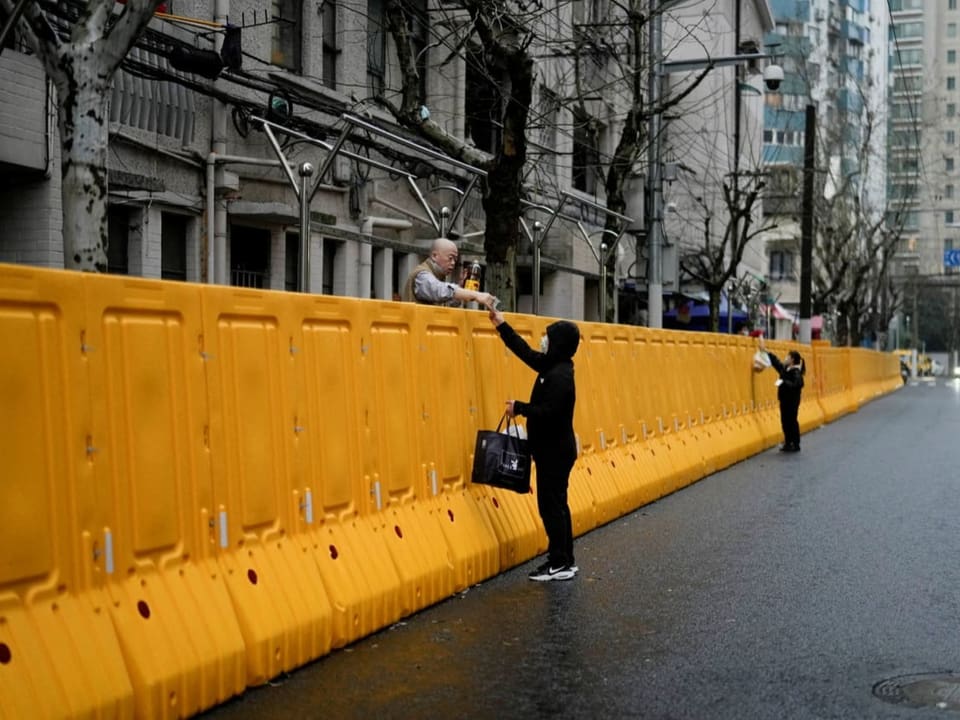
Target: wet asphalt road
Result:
[[784, 587]]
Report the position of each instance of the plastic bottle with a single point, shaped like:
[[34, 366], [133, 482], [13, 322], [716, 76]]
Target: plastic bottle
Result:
[[473, 279]]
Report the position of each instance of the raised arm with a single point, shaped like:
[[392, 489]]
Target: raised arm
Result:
[[517, 345]]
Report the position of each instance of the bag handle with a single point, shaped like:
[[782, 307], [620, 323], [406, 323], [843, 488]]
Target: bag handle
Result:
[[510, 420]]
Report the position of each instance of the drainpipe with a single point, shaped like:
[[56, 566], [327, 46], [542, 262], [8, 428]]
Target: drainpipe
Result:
[[217, 228], [217, 217], [366, 249]]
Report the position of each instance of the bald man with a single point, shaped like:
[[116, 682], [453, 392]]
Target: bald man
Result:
[[428, 284]]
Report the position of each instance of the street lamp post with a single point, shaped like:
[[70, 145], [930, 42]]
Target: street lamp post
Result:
[[658, 70]]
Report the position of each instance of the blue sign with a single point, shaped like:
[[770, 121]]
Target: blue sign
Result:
[[951, 258]]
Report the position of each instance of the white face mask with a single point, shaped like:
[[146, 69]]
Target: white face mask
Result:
[[544, 344]]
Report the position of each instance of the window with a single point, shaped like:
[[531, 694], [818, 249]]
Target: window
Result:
[[951, 109], [768, 136], [948, 192], [291, 262], [951, 57], [907, 30], [286, 34], [173, 246], [586, 154], [548, 118], [249, 257], [950, 137], [376, 46], [330, 50], [951, 30], [951, 83], [948, 164], [948, 217], [781, 265], [951, 4], [482, 104], [118, 232]]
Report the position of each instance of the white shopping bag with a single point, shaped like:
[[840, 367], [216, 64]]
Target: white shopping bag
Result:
[[761, 361]]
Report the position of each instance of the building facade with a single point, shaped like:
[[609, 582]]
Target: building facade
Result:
[[834, 54], [196, 187]]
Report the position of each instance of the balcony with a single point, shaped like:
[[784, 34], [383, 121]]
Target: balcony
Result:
[[23, 121]]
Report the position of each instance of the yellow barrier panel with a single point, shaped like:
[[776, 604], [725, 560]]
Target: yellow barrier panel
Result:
[[171, 609], [59, 654], [499, 376], [596, 426], [450, 410], [279, 598], [357, 572], [835, 392], [394, 407]]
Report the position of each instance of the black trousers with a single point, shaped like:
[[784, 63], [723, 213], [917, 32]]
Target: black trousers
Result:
[[789, 423], [552, 483]]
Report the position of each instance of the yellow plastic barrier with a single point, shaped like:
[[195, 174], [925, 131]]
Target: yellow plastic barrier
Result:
[[59, 655], [498, 376], [449, 416], [207, 486], [835, 392], [360, 579], [170, 607], [281, 605]]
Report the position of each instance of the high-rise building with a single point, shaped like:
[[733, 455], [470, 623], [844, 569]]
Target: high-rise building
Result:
[[924, 43], [834, 55]]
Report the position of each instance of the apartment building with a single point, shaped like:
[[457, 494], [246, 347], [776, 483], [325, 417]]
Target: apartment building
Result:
[[834, 54]]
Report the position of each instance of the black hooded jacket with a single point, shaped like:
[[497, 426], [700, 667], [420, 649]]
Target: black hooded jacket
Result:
[[788, 392], [549, 411]]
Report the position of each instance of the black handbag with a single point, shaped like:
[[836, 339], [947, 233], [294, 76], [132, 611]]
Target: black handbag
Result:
[[502, 459]]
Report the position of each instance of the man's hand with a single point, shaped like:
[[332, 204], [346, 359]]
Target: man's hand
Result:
[[496, 317], [509, 409], [485, 299]]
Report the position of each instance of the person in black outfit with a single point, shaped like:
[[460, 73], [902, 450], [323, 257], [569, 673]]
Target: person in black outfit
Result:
[[789, 387], [552, 444]]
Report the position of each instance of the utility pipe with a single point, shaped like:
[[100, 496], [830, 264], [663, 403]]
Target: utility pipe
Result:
[[366, 249]]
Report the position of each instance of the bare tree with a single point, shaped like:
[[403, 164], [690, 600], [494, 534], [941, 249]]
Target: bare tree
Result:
[[856, 241], [504, 35], [717, 261], [81, 62]]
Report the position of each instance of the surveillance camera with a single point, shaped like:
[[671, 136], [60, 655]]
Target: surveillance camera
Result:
[[772, 77]]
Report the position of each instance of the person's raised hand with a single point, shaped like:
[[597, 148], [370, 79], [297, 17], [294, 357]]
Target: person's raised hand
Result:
[[496, 317]]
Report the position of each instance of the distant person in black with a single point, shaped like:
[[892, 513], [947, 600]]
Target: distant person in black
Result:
[[789, 387], [552, 443]]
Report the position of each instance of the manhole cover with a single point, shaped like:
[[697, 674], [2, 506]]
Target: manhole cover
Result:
[[941, 690]]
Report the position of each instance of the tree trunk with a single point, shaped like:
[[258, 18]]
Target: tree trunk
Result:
[[501, 200], [84, 134], [715, 308]]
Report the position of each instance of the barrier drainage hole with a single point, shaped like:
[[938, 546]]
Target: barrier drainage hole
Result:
[[252, 576], [398, 531], [612, 464], [143, 609], [450, 515], [495, 503], [5, 654], [589, 472], [333, 552]]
